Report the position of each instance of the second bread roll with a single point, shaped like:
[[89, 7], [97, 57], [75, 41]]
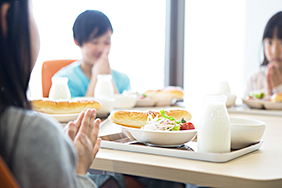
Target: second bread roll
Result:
[[277, 97], [65, 106]]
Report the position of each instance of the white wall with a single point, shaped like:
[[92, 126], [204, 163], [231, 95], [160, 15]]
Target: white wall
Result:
[[223, 42]]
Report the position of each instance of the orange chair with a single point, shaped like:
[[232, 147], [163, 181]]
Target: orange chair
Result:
[[49, 68], [6, 177]]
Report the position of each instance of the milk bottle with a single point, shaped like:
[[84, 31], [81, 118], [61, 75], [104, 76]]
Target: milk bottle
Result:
[[59, 88], [104, 87], [214, 134]]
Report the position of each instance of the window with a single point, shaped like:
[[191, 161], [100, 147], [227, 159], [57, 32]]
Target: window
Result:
[[138, 41], [223, 42]]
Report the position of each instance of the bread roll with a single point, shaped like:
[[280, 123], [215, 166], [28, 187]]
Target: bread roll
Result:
[[138, 119], [277, 97], [167, 93], [64, 106]]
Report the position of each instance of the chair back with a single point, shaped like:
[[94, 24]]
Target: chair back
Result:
[[49, 68], [7, 179]]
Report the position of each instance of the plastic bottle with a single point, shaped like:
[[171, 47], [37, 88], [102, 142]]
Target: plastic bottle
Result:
[[214, 134], [104, 87], [59, 88]]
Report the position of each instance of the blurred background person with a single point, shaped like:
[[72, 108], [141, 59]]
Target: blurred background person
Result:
[[268, 79], [92, 31]]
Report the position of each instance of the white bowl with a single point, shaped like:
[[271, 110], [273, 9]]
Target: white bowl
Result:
[[145, 102], [160, 138], [231, 98], [124, 101], [245, 132], [107, 106]]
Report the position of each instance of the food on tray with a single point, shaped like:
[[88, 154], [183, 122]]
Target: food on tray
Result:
[[166, 123], [143, 96], [64, 106], [257, 96], [138, 119], [139, 96], [277, 97], [167, 93]]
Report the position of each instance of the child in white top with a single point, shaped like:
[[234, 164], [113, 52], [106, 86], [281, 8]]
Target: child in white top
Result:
[[269, 78]]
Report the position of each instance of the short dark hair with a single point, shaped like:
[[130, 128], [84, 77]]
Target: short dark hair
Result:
[[15, 56], [274, 22], [90, 24]]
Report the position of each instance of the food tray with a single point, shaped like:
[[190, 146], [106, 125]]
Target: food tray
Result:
[[246, 110], [262, 104], [120, 141]]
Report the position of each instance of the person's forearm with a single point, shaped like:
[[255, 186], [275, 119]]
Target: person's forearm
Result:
[[91, 87]]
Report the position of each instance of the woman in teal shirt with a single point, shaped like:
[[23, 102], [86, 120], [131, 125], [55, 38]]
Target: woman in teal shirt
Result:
[[92, 31]]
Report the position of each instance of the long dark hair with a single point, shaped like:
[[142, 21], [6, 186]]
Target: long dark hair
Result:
[[275, 21], [15, 56]]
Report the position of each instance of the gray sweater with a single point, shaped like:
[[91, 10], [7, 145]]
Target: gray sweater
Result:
[[38, 153]]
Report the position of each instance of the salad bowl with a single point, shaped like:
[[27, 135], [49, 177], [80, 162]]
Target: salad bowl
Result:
[[160, 138]]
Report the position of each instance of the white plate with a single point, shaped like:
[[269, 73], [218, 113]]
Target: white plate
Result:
[[62, 118], [145, 102], [254, 103], [272, 105], [163, 102], [160, 138]]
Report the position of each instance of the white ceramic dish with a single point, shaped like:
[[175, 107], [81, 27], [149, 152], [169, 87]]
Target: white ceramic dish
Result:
[[124, 101], [62, 118], [259, 104], [163, 102], [160, 138], [107, 105], [272, 105], [231, 98], [245, 132], [254, 103], [145, 103]]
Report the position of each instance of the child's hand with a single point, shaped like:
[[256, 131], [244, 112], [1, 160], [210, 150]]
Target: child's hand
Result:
[[274, 77], [84, 133], [102, 65]]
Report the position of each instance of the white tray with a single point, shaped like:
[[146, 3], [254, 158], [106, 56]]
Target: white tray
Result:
[[262, 104], [246, 110], [126, 145]]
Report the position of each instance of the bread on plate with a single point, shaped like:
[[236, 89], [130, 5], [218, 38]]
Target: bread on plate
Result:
[[138, 119], [64, 106], [277, 97]]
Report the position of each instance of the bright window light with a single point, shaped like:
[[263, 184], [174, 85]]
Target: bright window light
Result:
[[138, 41]]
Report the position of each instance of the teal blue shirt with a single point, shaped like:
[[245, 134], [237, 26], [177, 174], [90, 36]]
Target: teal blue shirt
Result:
[[78, 81]]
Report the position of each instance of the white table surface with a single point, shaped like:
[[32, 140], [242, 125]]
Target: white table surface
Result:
[[261, 168]]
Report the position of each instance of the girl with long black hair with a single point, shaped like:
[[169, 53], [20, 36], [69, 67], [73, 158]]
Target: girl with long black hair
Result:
[[37, 151]]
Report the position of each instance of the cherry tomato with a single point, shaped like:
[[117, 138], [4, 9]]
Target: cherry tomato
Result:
[[187, 126]]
